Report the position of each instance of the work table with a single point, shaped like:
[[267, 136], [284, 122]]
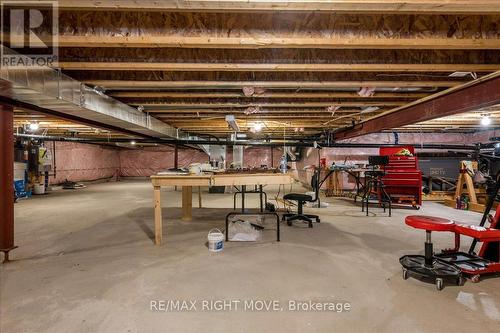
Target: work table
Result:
[[188, 181]]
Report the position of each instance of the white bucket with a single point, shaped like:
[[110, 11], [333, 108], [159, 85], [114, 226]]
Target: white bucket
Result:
[[39, 189], [215, 240]]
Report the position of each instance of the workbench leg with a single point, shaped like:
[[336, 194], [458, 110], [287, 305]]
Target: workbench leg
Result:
[[187, 203], [158, 217], [243, 191], [199, 197], [260, 198]]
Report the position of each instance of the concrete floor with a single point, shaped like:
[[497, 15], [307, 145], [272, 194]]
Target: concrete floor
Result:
[[86, 263]]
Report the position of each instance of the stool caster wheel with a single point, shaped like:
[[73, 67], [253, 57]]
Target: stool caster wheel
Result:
[[405, 274], [439, 284], [475, 278]]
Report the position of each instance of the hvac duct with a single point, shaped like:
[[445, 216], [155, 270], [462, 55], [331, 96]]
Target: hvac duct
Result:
[[48, 88]]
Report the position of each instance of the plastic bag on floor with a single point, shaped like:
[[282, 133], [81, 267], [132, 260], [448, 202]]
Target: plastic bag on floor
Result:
[[315, 204], [243, 231]]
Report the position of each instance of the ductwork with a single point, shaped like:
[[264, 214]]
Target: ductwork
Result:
[[48, 88]]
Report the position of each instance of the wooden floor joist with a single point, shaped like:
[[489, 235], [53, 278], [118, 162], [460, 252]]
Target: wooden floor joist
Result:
[[130, 84], [354, 6], [185, 67], [267, 94], [153, 41], [150, 107], [160, 112]]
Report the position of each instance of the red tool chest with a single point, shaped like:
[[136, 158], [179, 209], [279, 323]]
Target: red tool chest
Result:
[[402, 179]]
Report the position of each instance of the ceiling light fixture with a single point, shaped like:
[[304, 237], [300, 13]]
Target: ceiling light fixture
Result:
[[132, 143], [34, 126], [231, 120], [485, 120], [257, 127], [459, 74], [369, 109]]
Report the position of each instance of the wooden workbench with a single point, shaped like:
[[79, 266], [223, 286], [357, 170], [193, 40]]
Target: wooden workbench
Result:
[[188, 181]]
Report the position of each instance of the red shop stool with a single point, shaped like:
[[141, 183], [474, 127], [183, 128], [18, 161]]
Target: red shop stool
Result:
[[427, 266]]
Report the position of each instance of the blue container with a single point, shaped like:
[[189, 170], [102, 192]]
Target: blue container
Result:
[[20, 188]]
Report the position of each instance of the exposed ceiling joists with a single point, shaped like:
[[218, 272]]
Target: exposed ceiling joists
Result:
[[186, 62]]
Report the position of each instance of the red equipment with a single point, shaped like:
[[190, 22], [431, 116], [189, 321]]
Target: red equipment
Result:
[[450, 262], [402, 179]]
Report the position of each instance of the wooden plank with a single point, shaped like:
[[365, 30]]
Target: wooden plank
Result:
[[438, 196], [460, 185], [267, 94], [158, 216], [238, 67], [273, 111], [115, 84], [199, 197], [485, 7], [474, 207], [209, 41], [470, 188], [251, 179], [181, 180], [150, 106], [187, 203]]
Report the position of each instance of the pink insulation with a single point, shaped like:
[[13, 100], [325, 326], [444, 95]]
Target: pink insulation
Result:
[[83, 162], [149, 161]]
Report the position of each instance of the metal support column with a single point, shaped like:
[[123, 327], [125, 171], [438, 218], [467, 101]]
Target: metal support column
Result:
[[6, 180]]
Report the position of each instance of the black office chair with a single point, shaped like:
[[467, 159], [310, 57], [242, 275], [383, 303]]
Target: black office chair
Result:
[[301, 200]]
